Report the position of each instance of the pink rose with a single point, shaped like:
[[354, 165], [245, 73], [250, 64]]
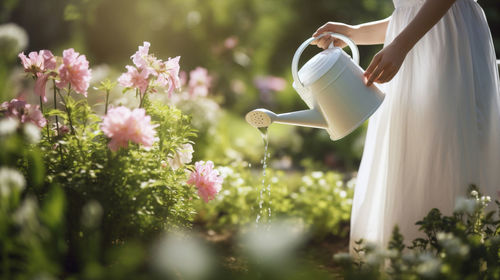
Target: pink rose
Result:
[[75, 71], [206, 179], [123, 125]]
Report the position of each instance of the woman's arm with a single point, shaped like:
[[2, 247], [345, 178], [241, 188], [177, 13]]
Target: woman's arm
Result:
[[370, 33], [387, 62]]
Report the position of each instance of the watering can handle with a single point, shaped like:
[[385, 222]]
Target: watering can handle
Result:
[[298, 53]]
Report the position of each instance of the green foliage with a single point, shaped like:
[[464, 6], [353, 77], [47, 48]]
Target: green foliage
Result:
[[139, 197], [320, 201], [465, 245]]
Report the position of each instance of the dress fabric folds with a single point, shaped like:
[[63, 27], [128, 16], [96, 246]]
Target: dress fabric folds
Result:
[[437, 131]]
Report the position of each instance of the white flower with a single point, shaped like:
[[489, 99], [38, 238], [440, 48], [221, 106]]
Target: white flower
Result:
[[322, 182], [13, 38], [225, 171], [452, 244], [8, 126], [465, 205], [91, 214], [26, 214], [32, 133], [182, 156], [181, 255], [307, 180], [429, 266], [317, 174], [474, 193], [239, 182], [485, 200], [10, 179], [351, 183], [343, 194]]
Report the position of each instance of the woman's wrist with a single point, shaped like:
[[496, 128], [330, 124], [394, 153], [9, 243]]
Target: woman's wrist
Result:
[[352, 31], [403, 43], [370, 33]]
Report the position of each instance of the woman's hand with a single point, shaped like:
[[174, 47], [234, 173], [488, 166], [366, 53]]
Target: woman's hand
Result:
[[336, 27], [386, 63]]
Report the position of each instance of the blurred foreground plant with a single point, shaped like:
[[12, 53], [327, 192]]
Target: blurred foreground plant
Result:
[[465, 245]]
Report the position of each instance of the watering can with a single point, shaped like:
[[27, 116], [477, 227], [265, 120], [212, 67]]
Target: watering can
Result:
[[333, 87]]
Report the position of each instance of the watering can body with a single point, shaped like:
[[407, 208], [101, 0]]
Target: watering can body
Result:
[[332, 85]]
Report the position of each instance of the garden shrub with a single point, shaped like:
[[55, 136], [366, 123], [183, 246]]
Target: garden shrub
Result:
[[465, 245], [139, 194], [320, 201], [127, 161]]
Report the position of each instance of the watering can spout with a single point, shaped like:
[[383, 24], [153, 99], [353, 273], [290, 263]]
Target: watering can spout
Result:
[[263, 118]]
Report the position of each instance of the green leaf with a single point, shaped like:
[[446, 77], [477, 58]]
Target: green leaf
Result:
[[36, 169], [53, 208]]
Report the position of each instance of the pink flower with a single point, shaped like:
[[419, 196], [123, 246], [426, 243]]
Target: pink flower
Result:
[[206, 179], [63, 129], [38, 62], [40, 83], [24, 112], [183, 78], [267, 84], [151, 72], [75, 71], [182, 156], [123, 125], [173, 68], [135, 79], [140, 58], [169, 76], [231, 42], [199, 82]]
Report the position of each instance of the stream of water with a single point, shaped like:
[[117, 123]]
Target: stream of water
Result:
[[264, 187]]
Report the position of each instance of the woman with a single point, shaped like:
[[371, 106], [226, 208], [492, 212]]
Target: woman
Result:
[[438, 129]]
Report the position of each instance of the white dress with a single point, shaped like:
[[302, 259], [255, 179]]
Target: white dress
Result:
[[438, 129]]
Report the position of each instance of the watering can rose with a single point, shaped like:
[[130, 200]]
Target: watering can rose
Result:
[[206, 179]]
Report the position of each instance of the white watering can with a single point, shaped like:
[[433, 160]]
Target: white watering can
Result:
[[332, 85]]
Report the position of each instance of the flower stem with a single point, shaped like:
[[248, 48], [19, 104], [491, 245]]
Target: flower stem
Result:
[[47, 125], [55, 107], [68, 111], [141, 96], [107, 98], [59, 148]]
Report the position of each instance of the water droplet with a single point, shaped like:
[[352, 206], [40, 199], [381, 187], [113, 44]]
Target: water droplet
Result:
[[264, 187]]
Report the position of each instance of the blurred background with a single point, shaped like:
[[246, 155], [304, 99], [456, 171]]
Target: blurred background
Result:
[[246, 45]]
